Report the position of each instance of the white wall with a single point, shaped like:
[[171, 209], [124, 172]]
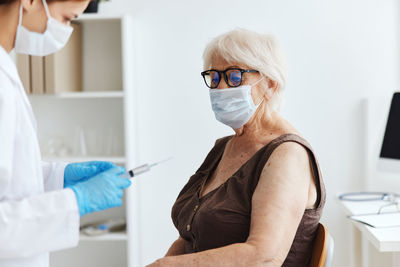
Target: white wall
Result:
[[338, 52]]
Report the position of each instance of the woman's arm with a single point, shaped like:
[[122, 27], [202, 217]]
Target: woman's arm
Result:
[[177, 248], [278, 205]]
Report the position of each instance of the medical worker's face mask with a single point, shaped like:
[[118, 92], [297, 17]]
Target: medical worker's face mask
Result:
[[52, 40], [233, 106]]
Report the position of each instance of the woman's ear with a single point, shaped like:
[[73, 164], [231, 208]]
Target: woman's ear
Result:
[[272, 88], [34, 15], [273, 85], [28, 5]]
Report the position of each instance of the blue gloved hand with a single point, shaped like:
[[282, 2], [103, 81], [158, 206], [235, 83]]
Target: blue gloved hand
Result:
[[82, 171], [101, 192]]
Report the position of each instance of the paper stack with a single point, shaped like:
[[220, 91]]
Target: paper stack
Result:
[[382, 220]]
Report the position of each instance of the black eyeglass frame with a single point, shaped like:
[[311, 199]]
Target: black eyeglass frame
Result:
[[223, 74]]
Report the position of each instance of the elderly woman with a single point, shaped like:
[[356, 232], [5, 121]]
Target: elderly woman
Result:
[[258, 197]]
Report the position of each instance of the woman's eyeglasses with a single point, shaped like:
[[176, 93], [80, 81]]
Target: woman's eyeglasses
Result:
[[232, 76]]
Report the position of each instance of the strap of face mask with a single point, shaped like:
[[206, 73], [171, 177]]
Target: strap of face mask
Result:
[[46, 8], [20, 15], [262, 78]]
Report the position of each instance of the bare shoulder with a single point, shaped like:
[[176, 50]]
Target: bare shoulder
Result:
[[289, 153], [288, 168], [288, 171]]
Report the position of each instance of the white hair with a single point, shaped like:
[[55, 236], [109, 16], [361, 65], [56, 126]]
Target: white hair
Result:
[[261, 52]]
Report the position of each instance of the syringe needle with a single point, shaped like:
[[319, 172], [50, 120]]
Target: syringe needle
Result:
[[142, 169], [159, 162]]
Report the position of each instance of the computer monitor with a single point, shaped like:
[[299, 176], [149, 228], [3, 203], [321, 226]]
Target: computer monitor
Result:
[[389, 157]]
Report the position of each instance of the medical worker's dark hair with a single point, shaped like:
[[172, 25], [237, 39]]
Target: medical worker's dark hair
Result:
[[6, 2]]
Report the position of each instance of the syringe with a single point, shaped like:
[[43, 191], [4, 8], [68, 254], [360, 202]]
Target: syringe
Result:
[[142, 169]]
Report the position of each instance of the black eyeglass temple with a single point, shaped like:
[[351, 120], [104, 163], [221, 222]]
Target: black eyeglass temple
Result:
[[250, 70], [241, 70]]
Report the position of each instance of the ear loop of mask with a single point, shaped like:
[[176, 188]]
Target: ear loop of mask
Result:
[[46, 8], [263, 99], [267, 98], [258, 105], [20, 15]]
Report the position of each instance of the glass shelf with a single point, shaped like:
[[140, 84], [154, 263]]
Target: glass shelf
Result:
[[74, 95], [117, 236], [94, 17]]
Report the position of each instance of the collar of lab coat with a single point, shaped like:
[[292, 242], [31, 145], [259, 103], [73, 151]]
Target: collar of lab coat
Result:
[[8, 66]]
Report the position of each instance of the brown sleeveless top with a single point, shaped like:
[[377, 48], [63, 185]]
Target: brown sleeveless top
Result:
[[222, 216]]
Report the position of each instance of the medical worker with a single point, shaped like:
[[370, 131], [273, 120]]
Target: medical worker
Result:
[[41, 203]]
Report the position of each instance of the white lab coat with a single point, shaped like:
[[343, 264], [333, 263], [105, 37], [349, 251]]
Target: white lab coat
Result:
[[36, 214]]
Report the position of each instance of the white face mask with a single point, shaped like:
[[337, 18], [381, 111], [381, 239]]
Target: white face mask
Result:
[[42, 44], [233, 106]]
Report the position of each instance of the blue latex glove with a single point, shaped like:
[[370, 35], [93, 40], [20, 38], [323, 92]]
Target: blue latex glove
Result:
[[82, 171], [101, 192]]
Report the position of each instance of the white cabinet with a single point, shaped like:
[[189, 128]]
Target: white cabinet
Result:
[[97, 123]]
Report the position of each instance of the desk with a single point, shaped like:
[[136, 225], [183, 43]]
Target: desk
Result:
[[384, 239]]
